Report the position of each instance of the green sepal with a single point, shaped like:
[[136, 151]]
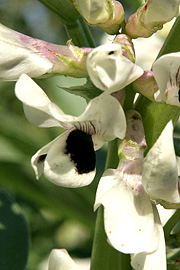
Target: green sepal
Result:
[[87, 90]]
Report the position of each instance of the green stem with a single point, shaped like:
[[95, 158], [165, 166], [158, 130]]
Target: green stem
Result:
[[75, 25], [80, 34], [155, 115], [170, 224], [172, 42], [103, 255]]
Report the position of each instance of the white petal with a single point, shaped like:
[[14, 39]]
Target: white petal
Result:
[[36, 103], [109, 69], [59, 259], [167, 74], [37, 161], [94, 11], [162, 10], [156, 259], [59, 166], [159, 175], [103, 118], [128, 214], [17, 57]]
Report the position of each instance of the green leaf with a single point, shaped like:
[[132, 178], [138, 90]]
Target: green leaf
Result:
[[14, 235], [87, 91]]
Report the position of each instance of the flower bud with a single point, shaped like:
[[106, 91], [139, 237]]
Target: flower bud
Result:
[[126, 45], [22, 54], [107, 14], [146, 85], [151, 16]]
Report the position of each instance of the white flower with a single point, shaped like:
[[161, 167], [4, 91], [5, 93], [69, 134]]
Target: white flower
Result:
[[69, 160], [160, 172], [109, 69], [167, 74], [131, 219], [59, 259], [23, 54]]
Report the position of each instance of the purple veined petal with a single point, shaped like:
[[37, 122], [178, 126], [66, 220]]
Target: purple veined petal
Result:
[[156, 259], [128, 214], [167, 74], [103, 118], [67, 161], [160, 174], [59, 259], [36, 103], [109, 69], [17, 58]]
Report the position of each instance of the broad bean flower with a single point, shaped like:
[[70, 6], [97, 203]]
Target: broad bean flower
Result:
[[69, 160], [59, 259], [107, 14], [37, 58], [166, 71], [109, 69], [151, 16], [132, 222]]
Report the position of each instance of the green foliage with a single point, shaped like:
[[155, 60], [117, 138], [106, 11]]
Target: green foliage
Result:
[[87, 91], [14, 235]]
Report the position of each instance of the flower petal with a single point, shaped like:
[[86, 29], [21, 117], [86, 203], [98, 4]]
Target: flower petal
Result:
[[36, 103], [69, 160], [128, 214], [161, 10], [59, 259], [16, 57], [167, 74], [159, 175], [103, 118], [156, 259], [109, 69]]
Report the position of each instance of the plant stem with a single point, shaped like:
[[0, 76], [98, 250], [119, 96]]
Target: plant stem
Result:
[[155, 115], [80, 34], [170, 224]]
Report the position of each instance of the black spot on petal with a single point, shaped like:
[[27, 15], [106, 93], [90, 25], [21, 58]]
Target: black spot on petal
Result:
[[79, 146], [111, 52], [179, 95], [41, 158]]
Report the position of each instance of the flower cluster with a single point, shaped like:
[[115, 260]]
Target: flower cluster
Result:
[[130, 192]]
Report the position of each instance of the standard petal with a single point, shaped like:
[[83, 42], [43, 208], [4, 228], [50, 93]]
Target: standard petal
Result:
[[103, 118], [36, 103], [160, 175], [109, 69], [156, 259], [167, 74], [17, 57], [69, 161], [59, 259], [128, 214]]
